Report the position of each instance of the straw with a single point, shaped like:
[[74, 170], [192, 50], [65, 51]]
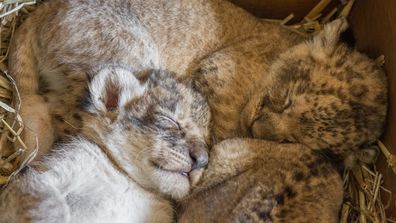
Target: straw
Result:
[[12, 147]]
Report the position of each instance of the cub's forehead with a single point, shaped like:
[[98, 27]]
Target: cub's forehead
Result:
[[175, 98], [343, 67], [184, 102], [295, 70]]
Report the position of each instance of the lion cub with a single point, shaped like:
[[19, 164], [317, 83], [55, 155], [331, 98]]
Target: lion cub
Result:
[[329, 98], [281, 87], [63, 40], [143, 141]]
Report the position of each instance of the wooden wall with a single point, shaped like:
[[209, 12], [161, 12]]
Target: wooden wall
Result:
[[374, 25], [277, 9]]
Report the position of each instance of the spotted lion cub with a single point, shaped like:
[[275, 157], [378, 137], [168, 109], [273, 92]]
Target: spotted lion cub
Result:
[[281, 87], [319, 93], [143, 141]]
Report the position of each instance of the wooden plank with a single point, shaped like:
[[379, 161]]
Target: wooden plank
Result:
[[374, 24], [278, 9]]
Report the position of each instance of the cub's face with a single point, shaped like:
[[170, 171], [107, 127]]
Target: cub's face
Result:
[[321, 94], [161, 126]]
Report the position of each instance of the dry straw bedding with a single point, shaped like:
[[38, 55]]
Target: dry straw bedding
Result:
[[363, 184]]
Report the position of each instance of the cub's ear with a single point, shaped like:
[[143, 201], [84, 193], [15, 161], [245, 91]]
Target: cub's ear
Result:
[[111, 88], [325, 42]]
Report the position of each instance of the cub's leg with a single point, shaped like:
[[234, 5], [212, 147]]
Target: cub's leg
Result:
[[251, 180], [38, 130], [262, 204], [228, 158], [23, 68]]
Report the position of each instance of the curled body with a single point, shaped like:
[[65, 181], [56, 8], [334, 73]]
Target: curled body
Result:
[[143, 143], [284, 88], [64, 43], [321, 104]]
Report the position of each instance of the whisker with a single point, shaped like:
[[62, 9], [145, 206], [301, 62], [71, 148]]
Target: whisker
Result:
[[142, 152], [71, 125]]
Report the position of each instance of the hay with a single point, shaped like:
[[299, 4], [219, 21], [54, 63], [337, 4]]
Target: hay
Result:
[[11, 125], [363, 195], [363, 184]]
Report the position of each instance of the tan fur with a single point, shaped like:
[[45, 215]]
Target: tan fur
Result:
[[285, 90], [261, 181], [317, 92], [249, 72], [230, 77], [63, 41]]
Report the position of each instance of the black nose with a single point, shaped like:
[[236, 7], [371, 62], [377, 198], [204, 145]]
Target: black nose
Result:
[[199, 157]]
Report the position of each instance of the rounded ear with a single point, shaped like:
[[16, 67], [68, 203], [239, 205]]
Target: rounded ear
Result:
[[111, 88], [325, 42]]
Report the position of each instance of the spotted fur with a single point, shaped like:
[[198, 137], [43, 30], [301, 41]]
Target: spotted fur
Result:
[[290, 183], [319, 93], [280, 87]]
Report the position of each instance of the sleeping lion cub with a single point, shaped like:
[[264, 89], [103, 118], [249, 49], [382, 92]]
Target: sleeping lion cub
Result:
[[143, 142], [64, 41], [280, 87], [319, 93]]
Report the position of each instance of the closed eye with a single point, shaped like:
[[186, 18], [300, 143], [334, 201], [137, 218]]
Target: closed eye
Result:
[[170, 120], [280, 101], [278, 106]]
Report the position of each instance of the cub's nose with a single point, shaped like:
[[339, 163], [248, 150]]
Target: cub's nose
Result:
[[199, 157]]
